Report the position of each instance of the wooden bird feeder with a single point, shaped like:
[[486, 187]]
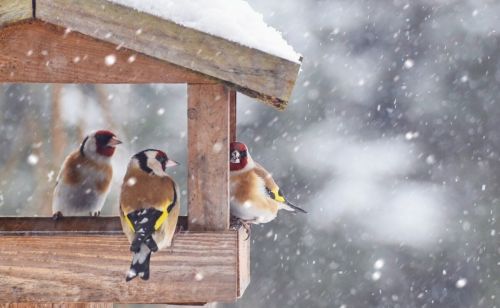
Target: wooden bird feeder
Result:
[[83, 260]]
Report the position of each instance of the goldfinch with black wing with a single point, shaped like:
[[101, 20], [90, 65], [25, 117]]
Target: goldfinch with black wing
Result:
[[255, 196], [85, 177], [149, 208]]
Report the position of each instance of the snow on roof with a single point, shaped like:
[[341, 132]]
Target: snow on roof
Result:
[[234, 20]]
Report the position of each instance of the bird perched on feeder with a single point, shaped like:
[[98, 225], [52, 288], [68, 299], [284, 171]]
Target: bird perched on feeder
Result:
[[85, 176], [149, 208], [255, 196]]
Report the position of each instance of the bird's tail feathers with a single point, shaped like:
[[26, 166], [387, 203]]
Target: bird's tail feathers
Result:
[[143, 221], [140, 264], [288, 206]]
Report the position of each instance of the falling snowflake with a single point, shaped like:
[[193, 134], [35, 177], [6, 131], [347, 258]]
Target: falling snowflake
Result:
[[131, 59], [110, 60], [430, 160], [131, 181], [217, 147], [379, 264], [33, 159], [462, 282], [50, 175], [409, 63]]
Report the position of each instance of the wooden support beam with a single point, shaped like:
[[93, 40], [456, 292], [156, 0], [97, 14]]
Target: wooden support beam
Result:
[[39, 52], [250, 71], [232, 115], [15, 10], [208, 149], [80, 260]]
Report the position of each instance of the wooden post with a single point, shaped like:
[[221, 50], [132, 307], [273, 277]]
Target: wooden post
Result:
[[208, 166], [232, 115]]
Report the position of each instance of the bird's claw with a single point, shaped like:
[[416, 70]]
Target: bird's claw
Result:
[[246, 225]]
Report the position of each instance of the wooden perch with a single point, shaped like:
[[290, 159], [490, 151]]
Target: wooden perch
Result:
[[74, 264]]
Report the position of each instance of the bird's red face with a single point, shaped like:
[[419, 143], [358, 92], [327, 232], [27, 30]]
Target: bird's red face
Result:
[[238, 156], [165, 162], [106, 143]]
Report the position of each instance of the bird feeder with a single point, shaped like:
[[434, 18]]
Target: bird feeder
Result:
[[83, 259]]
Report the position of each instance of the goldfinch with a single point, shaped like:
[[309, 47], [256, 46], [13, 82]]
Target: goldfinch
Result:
[[85, 176], [255, 196], [149, 208]]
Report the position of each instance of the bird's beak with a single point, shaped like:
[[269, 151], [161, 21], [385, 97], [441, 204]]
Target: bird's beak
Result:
[[114, 142], [171, 163]]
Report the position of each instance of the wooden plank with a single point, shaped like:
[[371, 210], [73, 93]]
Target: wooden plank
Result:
[[26, 226], [62, 305], [250, 71], [243, 261], [39, 52], [208, 148], [15, 10], [198, 268], [232, 115]]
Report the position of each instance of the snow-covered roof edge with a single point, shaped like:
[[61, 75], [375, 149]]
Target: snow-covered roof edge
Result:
[[234, 20]]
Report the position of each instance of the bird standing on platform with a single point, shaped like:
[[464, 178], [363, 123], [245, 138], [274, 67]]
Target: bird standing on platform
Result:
[[149, 208], [255, 196], [85, 176]]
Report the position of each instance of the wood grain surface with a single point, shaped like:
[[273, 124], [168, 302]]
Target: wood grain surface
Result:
[[243, 261], [200, 267], [39, 52], [232, 115], [15, 10], [66, 226], [208, 151], [250, 71]]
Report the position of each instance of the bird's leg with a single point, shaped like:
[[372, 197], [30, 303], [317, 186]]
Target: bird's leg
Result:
[[246, 224], [57, 215]]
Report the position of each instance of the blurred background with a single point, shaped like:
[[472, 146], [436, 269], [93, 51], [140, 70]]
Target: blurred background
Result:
[[391, 142]]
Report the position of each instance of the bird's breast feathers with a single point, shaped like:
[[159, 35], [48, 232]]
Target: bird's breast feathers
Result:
[[78, 170], [249, 199]]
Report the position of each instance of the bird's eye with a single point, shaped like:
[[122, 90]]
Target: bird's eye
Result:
[[161, 158], [102, 139]]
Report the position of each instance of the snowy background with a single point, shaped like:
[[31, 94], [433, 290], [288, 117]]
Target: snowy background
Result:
[[391, 142]]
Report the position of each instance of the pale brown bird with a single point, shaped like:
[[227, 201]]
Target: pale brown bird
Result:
[[255, 196], [85, 176], [149, 208]]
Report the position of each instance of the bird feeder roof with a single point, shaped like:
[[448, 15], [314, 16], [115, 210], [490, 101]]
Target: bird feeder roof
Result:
[[223, 40]]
